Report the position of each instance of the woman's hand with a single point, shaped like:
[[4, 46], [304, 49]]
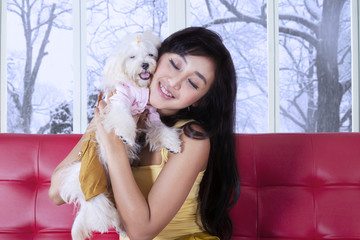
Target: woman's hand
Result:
[[141, 118]]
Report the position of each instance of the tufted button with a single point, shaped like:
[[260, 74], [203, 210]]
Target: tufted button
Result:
[[80, 154]]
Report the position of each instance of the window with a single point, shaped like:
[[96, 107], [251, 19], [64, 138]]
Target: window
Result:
[[54, 73], [39, 59], [296, 71], [311, 46], [315, 66], [107, 23], [247, 44]]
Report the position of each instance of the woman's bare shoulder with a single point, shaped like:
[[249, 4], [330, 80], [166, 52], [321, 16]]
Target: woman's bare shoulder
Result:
[[193, 150]]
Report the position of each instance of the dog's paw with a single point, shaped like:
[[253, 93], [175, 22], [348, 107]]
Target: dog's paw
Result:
[[171, 143], [159, 136], [123, 139], [171, 151], [170, 140], [174, 148], [128, 137]]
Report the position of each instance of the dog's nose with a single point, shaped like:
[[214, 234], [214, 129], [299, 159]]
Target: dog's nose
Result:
[[145, 65]]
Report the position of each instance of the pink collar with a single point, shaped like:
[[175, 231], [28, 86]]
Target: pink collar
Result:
[[134, 97]]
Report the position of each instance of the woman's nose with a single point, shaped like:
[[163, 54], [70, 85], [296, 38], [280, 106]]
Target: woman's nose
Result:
[[175, 83]]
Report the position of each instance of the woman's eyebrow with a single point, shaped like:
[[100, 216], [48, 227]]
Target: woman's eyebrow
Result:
[[201, 76], [196, 72], [184, 58]]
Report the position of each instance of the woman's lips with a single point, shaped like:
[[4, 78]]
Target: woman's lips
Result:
[[164, 92]]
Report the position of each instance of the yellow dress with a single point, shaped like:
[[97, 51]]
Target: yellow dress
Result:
[[186, 224]]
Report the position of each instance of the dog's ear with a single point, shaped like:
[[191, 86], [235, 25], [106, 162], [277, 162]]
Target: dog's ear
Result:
[[150, 36], [114, 68]]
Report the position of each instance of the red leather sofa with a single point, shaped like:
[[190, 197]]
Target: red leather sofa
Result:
[[293, 186]]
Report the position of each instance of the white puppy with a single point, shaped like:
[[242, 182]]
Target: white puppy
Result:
[[127, 75]]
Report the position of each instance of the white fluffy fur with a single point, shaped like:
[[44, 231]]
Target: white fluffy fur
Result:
[[158, 136], [126, 64], [97, 214]]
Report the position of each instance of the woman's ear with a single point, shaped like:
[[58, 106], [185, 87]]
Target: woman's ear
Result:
[[196, 104]]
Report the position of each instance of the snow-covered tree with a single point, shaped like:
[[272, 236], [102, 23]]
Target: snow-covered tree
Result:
[[314, 49], [61, 119], [38, 18]]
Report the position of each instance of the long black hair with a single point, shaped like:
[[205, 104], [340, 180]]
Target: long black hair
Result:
[[219, 188]]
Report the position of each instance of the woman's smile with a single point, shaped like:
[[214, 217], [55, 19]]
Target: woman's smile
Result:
[[180, 81], [165, 92]]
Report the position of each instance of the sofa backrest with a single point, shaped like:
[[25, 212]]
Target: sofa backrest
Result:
[[298, 186], [293, 186], [27, 162]]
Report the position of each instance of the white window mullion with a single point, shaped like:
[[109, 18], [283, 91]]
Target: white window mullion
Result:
[[355, 37], [80, 81], [178, 15], [3, 70], [187, 13], [273, 66]]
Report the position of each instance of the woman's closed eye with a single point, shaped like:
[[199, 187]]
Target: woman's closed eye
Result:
[[177, 67], [174, 65], [193, 84]]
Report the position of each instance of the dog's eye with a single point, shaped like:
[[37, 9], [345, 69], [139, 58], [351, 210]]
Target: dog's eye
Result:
[[132, 57], [151, 55]]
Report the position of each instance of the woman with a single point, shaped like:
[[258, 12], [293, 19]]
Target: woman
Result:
[[184, 195]]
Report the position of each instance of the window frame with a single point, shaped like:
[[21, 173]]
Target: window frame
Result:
[[355, 60], [3, 73], [80, 87]]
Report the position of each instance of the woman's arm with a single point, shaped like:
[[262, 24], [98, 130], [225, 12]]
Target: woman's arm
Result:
[[54, 191], [145, 218]]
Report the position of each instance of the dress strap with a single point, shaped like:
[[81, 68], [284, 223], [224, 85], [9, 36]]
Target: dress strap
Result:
[[182, 122]]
